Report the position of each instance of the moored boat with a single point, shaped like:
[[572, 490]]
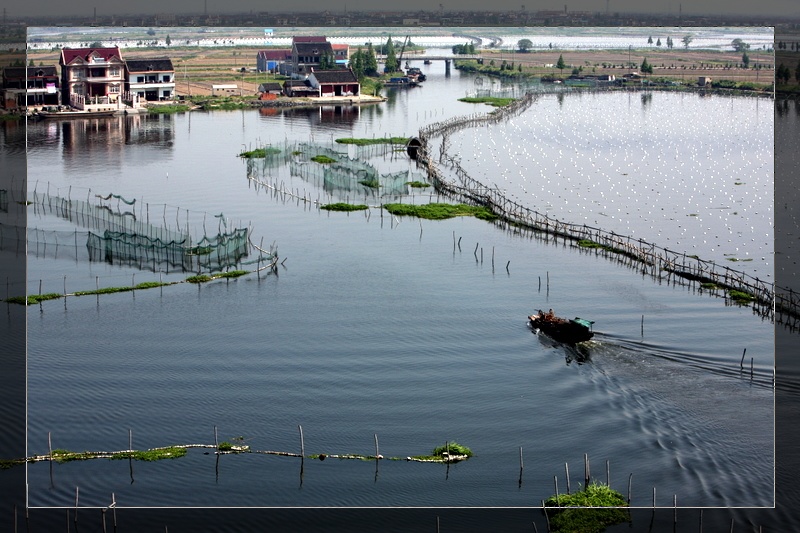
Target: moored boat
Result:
[[75, 114], [570, 331]]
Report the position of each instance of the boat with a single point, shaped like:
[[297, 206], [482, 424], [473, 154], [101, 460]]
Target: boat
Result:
[[569, 331], [73, 113], [403, 81], [427, 62]]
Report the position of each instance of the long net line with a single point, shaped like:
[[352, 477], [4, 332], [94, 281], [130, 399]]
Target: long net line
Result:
[[662, 262]]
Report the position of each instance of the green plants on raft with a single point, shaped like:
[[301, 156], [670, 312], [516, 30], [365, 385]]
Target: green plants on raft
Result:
[[452, 448], [491, 100], [418, 184], [260, 152], [741, 297], [380, 140], [437, 211], [200, 278], [323, 159], [342, 206]]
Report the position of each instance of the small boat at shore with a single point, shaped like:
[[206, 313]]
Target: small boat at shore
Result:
[[75, 114], [569, 331]]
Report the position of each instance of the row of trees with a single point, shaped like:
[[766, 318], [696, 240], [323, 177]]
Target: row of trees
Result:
[[464, 49]]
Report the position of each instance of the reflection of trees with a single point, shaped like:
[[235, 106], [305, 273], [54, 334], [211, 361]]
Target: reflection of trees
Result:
[[647, 99]]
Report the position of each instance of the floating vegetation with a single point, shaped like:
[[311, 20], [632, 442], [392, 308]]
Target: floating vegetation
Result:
[[741, 297], [437, 211], [451, 448], [225, 446], [418, 184], [379, 140], [342, 206], [200, 278], [261, 152], [736, 259], [324, 159], [33, 299], [710, 286], [231, 274], [571, 517], [491, 100], [156, 454]]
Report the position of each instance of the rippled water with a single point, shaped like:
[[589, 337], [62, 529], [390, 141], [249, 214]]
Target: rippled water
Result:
[[375, 325]]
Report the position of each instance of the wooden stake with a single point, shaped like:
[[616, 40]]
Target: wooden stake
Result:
[[741, 363], [376, 447], [216, 440], [566, 472], [302, 444], [629, 488], [608, 474]]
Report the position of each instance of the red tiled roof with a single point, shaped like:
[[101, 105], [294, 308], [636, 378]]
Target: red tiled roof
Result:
[[70, 54]]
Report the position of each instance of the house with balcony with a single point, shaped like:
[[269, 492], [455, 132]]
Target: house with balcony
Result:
[[30, 87], [92, 79], [151, 79]]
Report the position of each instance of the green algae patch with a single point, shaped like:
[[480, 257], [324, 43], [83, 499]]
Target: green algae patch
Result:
[[323, 159], [418, 184], [260, 152], [379, 140], [741, 297], [437, 211], [342, 206], [491, 100]]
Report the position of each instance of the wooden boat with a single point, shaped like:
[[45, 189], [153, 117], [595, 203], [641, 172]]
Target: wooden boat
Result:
[[75, 114], [427, 62], [569, 331], [403, 81]]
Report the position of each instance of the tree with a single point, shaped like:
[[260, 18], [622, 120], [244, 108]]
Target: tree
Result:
[[524, 45], [646, 67], [326, 62], [670, 43], [658, 42], [561, 65], [650, 40], [168, 40], [687, 40], [357, 61], [739, 45], [151, 31], [391, 65], [782, 73], [370, 62], [745, 60]]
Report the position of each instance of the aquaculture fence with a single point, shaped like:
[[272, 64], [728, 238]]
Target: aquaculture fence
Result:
[[117, 234], [673, 266]]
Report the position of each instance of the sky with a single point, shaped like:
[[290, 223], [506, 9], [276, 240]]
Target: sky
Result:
[[31, 8]]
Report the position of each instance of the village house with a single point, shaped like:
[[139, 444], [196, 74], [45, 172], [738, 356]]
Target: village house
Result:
[[702, 81], [307, 53], [269, 90], [92, 77], [271, 60], [151, 79], [341, 54], [340, 82], [30, 87], [298, 88]]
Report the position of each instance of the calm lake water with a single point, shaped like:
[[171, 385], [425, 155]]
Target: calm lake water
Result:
[[412, 331]]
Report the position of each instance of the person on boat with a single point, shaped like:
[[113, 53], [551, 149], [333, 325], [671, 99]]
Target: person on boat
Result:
[[550, 314]]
